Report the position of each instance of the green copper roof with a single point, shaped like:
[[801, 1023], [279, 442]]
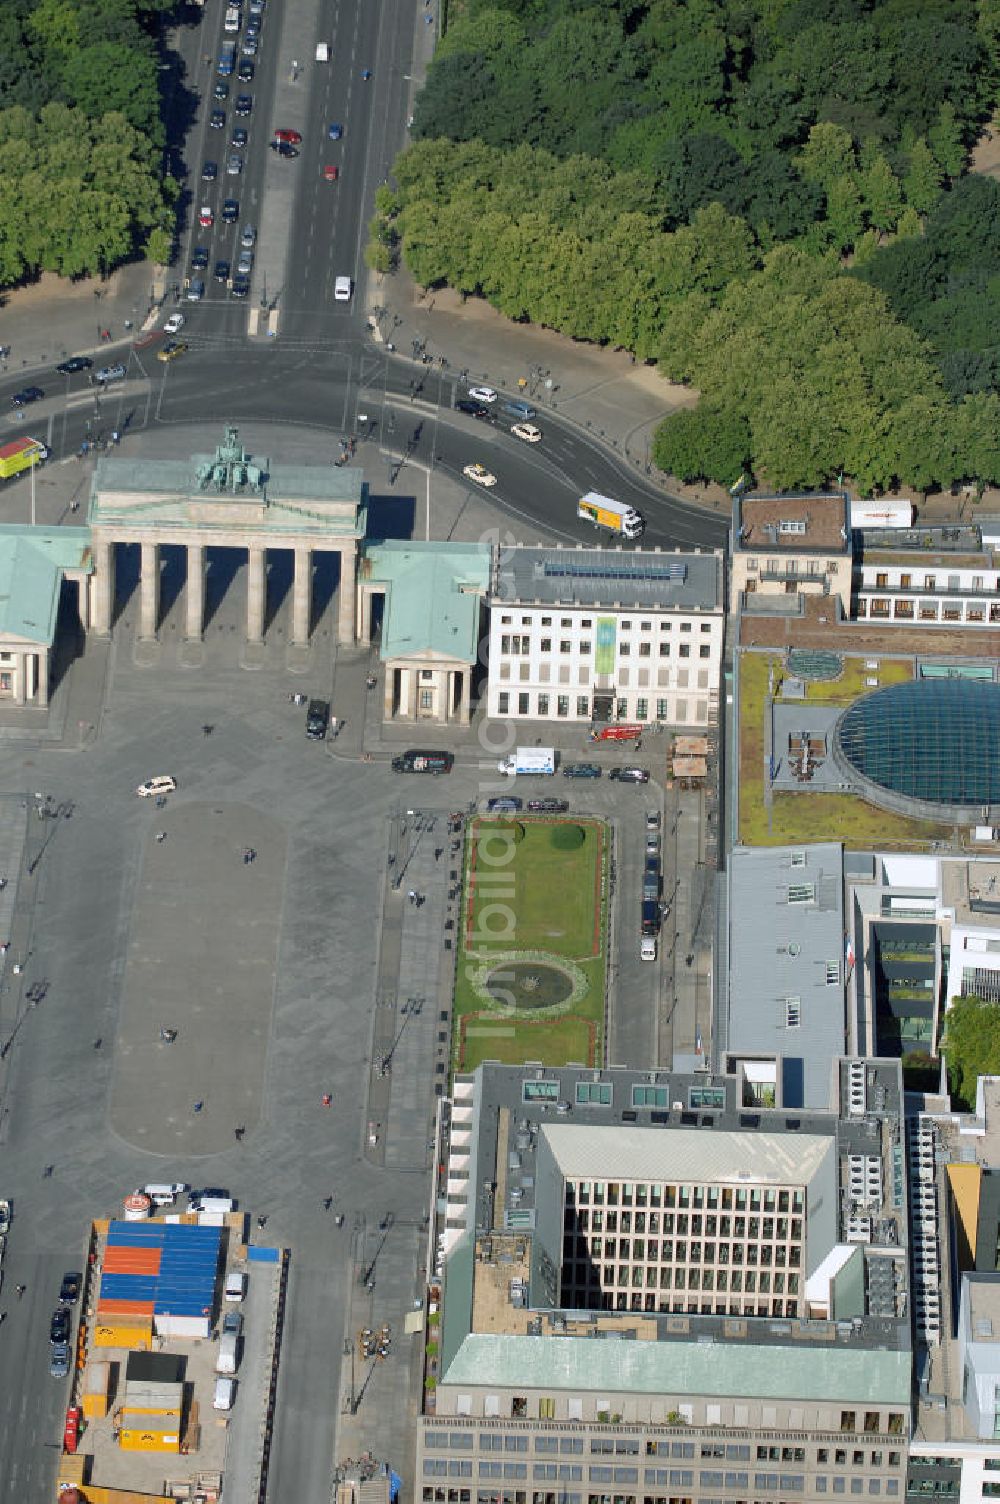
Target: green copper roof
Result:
[[808, 1371], [32, 561], [433, 597], [231, 489]]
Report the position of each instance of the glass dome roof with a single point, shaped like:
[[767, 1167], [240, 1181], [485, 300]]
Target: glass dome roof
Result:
[[934, 740]]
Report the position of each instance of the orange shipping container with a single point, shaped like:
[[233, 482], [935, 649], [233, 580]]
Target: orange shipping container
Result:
[[142, 1439], [125, 1307], [132, 1261], [95, 1389]]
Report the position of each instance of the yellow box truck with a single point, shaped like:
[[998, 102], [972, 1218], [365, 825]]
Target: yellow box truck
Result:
[[21, 454], [616, 516]]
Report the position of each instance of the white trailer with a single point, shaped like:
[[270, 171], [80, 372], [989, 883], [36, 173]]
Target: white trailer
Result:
[[882, 511], [537, 761]]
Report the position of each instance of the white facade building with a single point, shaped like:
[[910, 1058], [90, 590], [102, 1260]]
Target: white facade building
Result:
[[929, 585], [606, 635]]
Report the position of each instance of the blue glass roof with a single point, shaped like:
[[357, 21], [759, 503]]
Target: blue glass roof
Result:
[[934, 740]]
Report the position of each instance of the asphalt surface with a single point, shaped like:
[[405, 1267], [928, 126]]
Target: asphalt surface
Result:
[[411, 416], [120, 928], [101, 906]]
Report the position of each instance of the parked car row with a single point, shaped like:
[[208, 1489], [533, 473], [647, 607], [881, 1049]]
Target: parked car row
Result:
[[511, 804], [652, 881], [61, 1323]]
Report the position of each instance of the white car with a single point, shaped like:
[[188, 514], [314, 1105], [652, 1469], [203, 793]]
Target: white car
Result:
[[163, 784], [174, 323], [342, 290], [647, 948], [482, 393], [527, 431], [480, 475]]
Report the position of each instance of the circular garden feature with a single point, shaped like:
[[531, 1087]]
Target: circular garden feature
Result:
[[528, 985]]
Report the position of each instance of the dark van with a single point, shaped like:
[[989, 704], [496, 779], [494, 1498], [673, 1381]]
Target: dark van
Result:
[[650, 917], [423, 762]]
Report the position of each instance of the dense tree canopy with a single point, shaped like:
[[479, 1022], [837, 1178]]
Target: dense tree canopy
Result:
[[80, 137], [76, 195], [763, 195], [971, 1045]]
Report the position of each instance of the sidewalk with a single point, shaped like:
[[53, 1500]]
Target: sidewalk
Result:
[[54, 317]]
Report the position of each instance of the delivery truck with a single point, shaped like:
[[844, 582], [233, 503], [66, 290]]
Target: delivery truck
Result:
[[532, 761], [618, 518], [20, 455]]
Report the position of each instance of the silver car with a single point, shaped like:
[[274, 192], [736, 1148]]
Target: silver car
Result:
[[245, 264], [248, 238], [234, 164]]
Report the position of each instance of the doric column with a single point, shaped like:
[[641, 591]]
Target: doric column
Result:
[[149, 590], [388, 696], [195, 592], [256, 592], [30, 675], [83, 600], [465, 697], [43, 677], [364, 623], [302, 596], [348, 586], [20, 673], [410, 684], [102, 585]]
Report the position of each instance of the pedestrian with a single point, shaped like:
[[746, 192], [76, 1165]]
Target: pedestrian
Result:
[[198, 1106], [20, 1290], [47, 1172], [438, 853], [98, 1043], [327, 1203], [412, 895], [238, 1133], [161, 835], [261, 1222], [327, 1099]]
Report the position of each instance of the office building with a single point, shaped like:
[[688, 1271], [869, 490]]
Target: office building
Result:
[[649, 1293], [589, 634]]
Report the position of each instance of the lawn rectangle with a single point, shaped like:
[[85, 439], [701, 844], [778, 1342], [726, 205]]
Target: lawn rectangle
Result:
[[529, 895], [537, 911]]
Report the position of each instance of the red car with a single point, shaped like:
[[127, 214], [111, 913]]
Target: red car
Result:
[[291, 137], [205, 216], [331, 174]]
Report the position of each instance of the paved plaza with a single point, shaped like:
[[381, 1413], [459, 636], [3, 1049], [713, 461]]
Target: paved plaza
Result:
[[302, 977]]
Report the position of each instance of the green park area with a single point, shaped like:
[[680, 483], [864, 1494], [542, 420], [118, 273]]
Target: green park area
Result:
[[813, 816], [530, 974]]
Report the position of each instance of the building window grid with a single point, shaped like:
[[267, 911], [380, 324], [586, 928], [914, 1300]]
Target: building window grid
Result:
[[674, 1248]]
